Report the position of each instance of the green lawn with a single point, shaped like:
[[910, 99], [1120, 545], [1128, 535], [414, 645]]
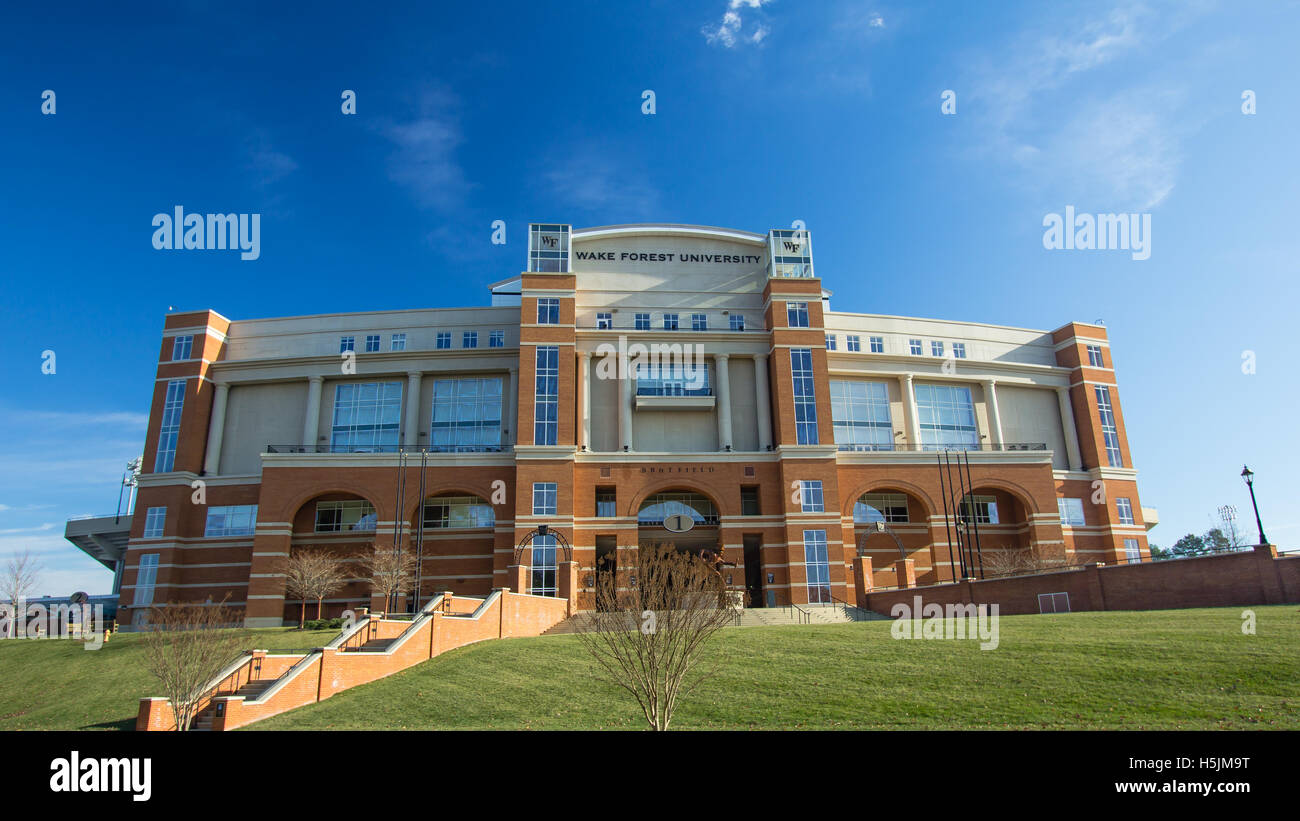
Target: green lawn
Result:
[[1186, 669], [59, 685]]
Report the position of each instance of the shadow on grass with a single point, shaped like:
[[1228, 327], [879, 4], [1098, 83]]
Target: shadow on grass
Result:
[[125, 725]]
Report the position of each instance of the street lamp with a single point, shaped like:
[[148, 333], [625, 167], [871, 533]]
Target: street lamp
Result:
[[1249, 476]]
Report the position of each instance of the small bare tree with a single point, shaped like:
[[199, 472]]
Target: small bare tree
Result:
[[21, 572], [391, 572], [312, 574], [652, 621], [186, 648], [1018, 561]]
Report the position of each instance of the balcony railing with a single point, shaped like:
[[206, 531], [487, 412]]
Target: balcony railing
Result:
[[324, 448], [932, 448]]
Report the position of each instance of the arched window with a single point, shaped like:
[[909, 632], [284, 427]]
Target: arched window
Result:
[[457, 512], [880, 507], [662, 505]]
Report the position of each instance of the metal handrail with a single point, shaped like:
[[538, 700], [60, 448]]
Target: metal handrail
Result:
[[804, 616], [921, 447]]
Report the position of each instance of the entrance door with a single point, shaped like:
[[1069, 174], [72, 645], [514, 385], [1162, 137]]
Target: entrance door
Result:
[[753, 572], [606, 564]]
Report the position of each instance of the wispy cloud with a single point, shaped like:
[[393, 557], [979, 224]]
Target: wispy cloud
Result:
[[266, 164], [731, 30], [424, 152], [78, 419], [593, 178]]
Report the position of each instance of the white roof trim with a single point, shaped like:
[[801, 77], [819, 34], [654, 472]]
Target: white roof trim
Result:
[[668, 229]]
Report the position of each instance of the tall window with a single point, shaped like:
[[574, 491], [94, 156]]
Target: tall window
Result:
[[853, 343], [947, 417], [496, 339], [699, 322], [749, 504], [231, 520], [545, 498], [860, 415], [372, 343], [830, 342], [170, 429], [154, 519], [1071, 512], [1110, 433], [796, 314], [805, 400], [145, 578], [914, 347], [546, 396], [670, 322], [1132, 550], [469, 339], [737, 322], [457, 512], [880, 507], [443, 340], [877, 344], [604, 321], [1125, 509], [643, 322], [341, 516], [548, 311], [367, 416], [1094, 356], [606, 502], [182, 346], [397, 343], [466, 415], [817, 564], [811, 499], [543, 566], [653, 379]]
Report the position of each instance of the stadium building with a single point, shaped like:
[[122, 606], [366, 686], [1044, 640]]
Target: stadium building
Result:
[[636, 383]]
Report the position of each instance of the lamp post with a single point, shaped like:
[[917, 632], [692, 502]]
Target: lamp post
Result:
[[1249, 476]]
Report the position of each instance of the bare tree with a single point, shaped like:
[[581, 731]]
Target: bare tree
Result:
[[21, 573], [186, 648], [313, 574], [653, 617], [1019, 561], [391, 572]]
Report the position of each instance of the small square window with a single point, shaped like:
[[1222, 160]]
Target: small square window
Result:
[[670, 322], [699, 322], [397, 343], [443, 340], [604, 321], [914, 346], [1125, 509], [853, 343], [1071, 511], [1094, 356], [643, 322], [469, 339], [830, 342], [796, 314], [496, 339], [959, 350], [182, 346], [810, 491], [936, 348], [737, 322], [372, 343], [749, 501], [606, 502], [544, 498], [548, 311], [877, 344], [1132, 550], [154, 519], [347, 343]]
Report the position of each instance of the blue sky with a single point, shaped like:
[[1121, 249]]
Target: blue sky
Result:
[[766, 112]]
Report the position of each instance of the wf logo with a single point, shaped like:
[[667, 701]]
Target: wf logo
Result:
[[548, 241]]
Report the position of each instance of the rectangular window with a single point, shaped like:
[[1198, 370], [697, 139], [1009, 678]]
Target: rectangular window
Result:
[[796, 314], [231, 520], [749, 501], [548, 311], [372, 343], [548, 248], [737, 322], [673, 380], [543, 566], [444, 512], [145, 578], [1094, 356], [914, 346], [877, 344], [606, 502], [670, 322], [546, 396], [880, 507], [496, 339], [699, 322], [810, 492], [643, 322], [1132, 550], [1125, 509], [545, 498], [154, 518], [936, 348], [181, 347], [817, 564], [347, 343], [860, 415], [170, 429], [352, 514], [985, 509], [604, 321], [469, 339], [443, 340], [466, 415], [853, 343], [959, 350], [947, 417], [367, 417], [805, 398], [1109, 432], [1071, 512], [830, 342], [397, 343]]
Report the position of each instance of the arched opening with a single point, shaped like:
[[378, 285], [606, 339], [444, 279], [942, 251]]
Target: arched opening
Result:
[[991, 533], [342, 525], [686, 519], [452, 536], [891, 523]]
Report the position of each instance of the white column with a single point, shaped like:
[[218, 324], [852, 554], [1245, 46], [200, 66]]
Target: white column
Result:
[[311, 425], [411, 434], [216, 427], [512, 412], [1071, 434], [586, 401], [995, 418], [625, 409], [763, 399], [724, 401], [909, 405]]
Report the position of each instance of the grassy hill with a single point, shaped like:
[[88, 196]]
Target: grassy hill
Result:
[[1172, 669]]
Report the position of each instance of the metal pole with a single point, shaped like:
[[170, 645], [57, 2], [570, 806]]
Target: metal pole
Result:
[[419, 528], [963, 522], [401, 505], [1258, 524], [943, 493], [974, 518]]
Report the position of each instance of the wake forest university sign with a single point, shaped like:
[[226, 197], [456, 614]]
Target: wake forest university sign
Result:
[[643, 256]]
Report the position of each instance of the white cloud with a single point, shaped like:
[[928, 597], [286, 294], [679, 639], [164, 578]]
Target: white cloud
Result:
[[729, 31], [876, 22], [424, 158], [594, 179]]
